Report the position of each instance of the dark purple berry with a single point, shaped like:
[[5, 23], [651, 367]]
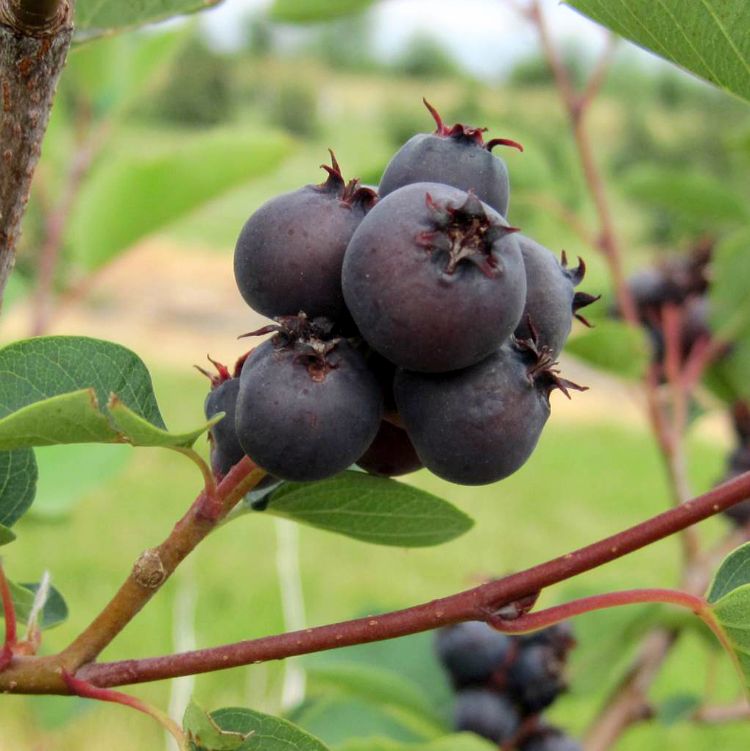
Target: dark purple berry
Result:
[[472, 651], [434, 278], [456, 156], [535, 678], [559, 638], [390, 454], [289, 253], [480, 424], [486, 713], [308, 406], [738, 464], [549, 739], [551, 299], [225, 447]]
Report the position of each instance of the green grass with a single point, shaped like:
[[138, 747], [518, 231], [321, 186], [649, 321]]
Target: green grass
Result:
[[583, 482]]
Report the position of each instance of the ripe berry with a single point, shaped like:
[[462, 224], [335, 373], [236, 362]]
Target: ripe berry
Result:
[[471, 652], [738, 464], [308, 406], [390, 454], [551, 299], [480, 424], [289, 253], [225, 446], [456, 156], [434, 278], [486, 713], [550, 739], [559, 637], [535, 678]]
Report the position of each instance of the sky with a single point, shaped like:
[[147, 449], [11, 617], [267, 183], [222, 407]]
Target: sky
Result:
[[485, 35]]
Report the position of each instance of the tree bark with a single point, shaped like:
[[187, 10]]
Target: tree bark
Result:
[[32, 56]]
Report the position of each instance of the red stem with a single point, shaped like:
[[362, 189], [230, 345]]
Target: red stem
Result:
[[473, 604], [9, 613]]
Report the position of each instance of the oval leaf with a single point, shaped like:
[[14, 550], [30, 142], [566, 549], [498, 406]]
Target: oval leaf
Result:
[[54, 390], [18, 478], [707, 37], [306, 11], [94, 17], [54, 612], [371, 509], [6, 535], [130, 197], [733, 573], [612, 346], [257, 731]]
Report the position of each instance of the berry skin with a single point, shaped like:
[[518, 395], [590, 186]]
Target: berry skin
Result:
[[434, 278], [480, 424], [225, 446], [289, 253], [486, 713], [739, 463], [535, 678], [456, 156], [559, 637], [308, 406], [551, 299], [550, 739], [471, 652], [390, 454]]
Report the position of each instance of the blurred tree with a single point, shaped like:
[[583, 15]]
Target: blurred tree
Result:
[[345, 44], [259, 40], [426, 57]]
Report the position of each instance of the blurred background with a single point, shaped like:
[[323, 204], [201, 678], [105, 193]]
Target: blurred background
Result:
[[162, 142]]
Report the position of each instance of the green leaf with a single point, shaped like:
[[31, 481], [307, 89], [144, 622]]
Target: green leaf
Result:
[[733, 573], [707, 37], [613, 346], [18, 477], [372, 509], [55, 610], [677, 708], [379, 686], [204, 733], [54, 390], [238, 729], [133, 195], [58, 489], [94, 17], [306, 11], [6, 535], [452, 742], [729, 600], [694, 197]]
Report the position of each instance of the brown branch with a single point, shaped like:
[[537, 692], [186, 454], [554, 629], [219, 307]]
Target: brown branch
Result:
[[31, 59], [714, 715], [42, 675]]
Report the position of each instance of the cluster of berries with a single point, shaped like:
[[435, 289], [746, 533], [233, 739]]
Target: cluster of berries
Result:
[[414, 326], [503, 683], [681, 282]]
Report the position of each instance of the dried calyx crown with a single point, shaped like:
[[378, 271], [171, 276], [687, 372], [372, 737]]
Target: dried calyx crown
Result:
[[350, 193], [222, 373], [467, 133], [541, 365], [311, 339], [464, 233], [580, 299]]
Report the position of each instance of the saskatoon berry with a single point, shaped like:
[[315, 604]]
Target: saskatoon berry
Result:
[[486, 713], [551, 299], [472, 651], [288, 255], [558, 637], [535, 678], [390, 454], [434, 278], [480, 424], [225, 446], [550, 739], [456, 156], [739, 463], [308, 406]]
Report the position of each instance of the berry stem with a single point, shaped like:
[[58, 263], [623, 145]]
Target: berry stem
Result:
[[87, 691], [9, 613]]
